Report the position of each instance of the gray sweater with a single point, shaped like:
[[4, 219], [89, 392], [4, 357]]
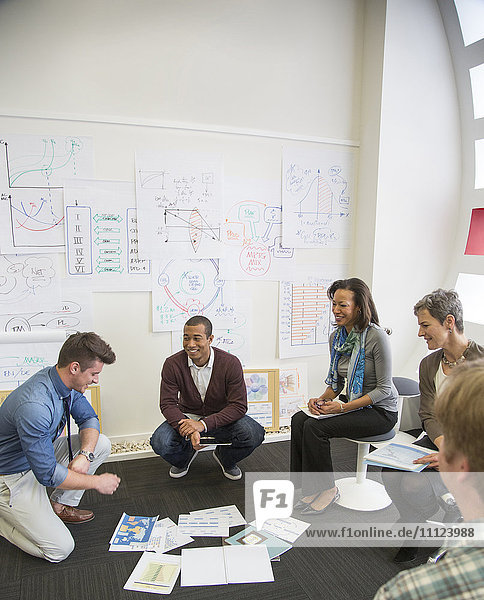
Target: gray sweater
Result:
[[377, 380]]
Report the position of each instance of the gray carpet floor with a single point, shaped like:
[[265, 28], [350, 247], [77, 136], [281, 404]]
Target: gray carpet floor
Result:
[[94, 573]]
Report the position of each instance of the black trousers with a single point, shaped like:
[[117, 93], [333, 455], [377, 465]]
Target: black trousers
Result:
[[311, 464], [415, 494]]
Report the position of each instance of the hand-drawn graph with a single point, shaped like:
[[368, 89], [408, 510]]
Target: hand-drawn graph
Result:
[[231, 329], [188, 225], [33, 169], [185, 288], [304, 316], [28, 282], [292, 392], [252, 232], [18, 362], [43, 162], [310, 308], [317, 198], [70, 315], [179, 202], [102, 236]]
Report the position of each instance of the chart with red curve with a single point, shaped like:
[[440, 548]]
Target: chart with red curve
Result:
[[32, 173]]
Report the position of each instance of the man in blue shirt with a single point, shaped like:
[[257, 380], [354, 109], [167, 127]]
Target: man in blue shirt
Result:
[[34, 455]]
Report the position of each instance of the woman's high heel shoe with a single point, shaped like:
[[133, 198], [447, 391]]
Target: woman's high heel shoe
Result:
[[300, 505], [309, 510]]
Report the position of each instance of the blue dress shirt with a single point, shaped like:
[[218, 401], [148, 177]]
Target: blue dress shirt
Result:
[[31, 418]]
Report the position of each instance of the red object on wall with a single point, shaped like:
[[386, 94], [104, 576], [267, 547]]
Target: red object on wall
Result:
[[475, 239]]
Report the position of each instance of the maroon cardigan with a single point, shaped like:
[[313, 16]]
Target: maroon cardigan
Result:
[[225, 399]]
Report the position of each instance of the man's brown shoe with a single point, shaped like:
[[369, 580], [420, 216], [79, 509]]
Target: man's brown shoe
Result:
[[71, 514]]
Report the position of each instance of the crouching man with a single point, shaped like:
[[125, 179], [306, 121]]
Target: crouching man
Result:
[[34, 455]]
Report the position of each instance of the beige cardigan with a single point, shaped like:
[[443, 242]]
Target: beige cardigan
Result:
[[428, 369]]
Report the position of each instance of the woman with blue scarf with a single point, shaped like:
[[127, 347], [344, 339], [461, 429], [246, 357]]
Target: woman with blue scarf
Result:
[[361, 359]]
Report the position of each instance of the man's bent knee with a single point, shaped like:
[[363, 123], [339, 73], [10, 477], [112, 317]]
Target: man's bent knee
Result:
[[248, 431], [60, 552], [103, 446], [165, 439]]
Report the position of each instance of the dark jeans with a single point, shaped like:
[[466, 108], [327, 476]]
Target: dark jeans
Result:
[[415, 494], [311, 464], [245, 435]]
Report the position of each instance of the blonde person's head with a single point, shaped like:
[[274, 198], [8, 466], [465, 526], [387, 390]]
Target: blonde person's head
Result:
[[460, 410]]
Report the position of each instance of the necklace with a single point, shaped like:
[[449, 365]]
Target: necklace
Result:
[[461, 359]]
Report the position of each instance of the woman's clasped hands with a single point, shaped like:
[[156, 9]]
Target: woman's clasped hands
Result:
[[319, 406]]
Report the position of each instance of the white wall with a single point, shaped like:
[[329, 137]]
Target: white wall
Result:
[[465, 58], [370, 123], [377, 70], [247, 65], [258, 64], [419, 172]]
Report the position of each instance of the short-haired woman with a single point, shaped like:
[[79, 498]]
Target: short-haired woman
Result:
[[441, 324]]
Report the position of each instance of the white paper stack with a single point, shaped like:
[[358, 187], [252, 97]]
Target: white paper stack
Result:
[[225, 564]]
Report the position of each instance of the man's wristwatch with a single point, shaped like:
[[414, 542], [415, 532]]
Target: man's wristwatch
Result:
[[88, 455]]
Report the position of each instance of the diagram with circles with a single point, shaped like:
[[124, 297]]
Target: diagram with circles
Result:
[[252, 231], [28, 280], [186, 288]]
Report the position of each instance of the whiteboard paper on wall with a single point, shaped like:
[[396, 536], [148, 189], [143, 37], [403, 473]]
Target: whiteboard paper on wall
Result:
[[252, 230], [23, 354], [231, 330], [317, 198], [305, 312], [72, 313], [293, 392], [29, 282], [184, 288], [32, 173], [179, 197], [102, 236]]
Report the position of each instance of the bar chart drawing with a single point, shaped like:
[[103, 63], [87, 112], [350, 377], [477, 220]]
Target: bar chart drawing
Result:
[[305, 311], [310, 315], [320, 198]]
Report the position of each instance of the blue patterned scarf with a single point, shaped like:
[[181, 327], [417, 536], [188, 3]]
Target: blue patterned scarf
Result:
[[352, 345]]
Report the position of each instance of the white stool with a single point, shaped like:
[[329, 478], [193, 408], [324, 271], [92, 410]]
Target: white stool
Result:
[[360, 493]]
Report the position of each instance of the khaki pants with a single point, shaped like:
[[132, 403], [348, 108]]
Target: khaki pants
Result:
[[27, 519]]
